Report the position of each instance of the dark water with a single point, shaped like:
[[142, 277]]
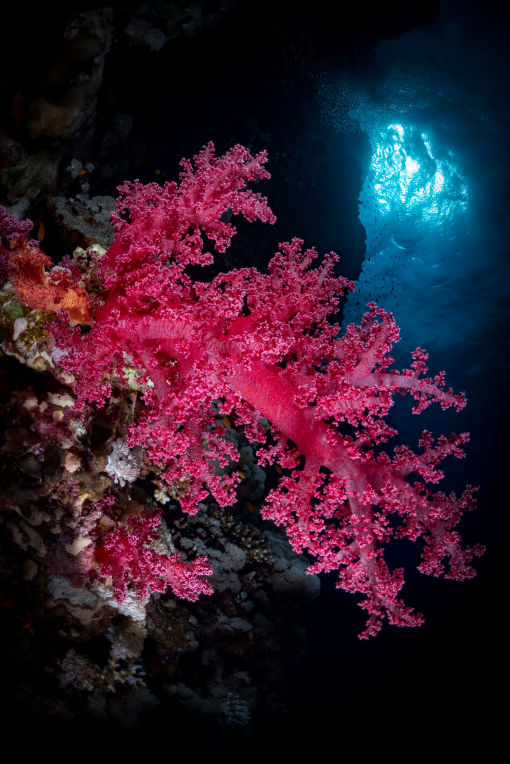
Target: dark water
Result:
[[390, 145]]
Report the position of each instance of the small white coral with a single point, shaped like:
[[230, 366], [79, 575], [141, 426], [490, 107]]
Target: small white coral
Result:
[[131, 606], [20, 325], [123, 465], [61, 589]]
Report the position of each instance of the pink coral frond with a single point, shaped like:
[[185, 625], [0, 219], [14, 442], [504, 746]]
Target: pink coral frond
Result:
[[262, 349], [126, 555]]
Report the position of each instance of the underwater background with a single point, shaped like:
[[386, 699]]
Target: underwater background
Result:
[[388, 133]]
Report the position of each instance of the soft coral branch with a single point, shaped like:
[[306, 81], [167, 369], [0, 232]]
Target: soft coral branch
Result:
[[154, 223], [262, 346], [126, 555]]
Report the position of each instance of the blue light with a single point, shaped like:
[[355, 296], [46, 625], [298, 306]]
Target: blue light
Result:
[[415, 209], [409, 179]]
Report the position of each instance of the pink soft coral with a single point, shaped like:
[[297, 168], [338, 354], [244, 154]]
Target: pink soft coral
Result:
[[127, 556], [260, 347]]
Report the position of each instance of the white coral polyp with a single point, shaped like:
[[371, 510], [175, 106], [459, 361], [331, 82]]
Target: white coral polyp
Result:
[[123, 465]]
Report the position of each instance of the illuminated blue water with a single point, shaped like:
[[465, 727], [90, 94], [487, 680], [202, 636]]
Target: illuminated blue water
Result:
[[435, 207], [435, 198], [415, 208], [410, 179]]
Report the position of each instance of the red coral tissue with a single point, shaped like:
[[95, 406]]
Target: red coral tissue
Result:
[[262, 349]]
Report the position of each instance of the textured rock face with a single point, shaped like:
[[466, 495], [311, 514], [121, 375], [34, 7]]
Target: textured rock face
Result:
[[54, 116], [72, 84], [60, 110], [82, 220], [26, 175]]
